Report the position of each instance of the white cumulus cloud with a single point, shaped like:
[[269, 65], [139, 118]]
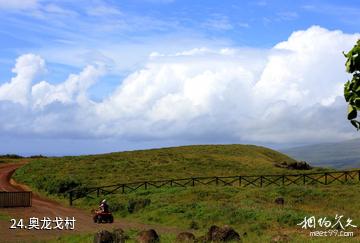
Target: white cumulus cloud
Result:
[[291, 93], [26, 69], [74, 89]]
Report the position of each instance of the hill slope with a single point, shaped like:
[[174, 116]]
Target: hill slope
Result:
[[155, 164], [341, 155]]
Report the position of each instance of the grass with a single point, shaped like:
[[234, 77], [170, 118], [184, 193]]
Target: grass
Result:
[[4, 217], [187, 161], [248, 210], [89, 238], [83, 238], [171, 238]]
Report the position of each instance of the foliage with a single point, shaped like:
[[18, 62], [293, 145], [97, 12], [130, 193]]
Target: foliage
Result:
[[56, 186], [11, 156], [352, 87], [37, 156]]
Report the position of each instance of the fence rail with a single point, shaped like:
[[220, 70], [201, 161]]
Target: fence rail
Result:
[[15, 199], [322, 178]]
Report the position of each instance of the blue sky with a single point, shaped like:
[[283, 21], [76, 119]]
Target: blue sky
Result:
[[115, 75]]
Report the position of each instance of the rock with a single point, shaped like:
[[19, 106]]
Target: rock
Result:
[[185, 237], [302, 165], [224, 234], [103, 236], [136, 205], [280, 201], [280, 238], [119, 236], [148, 236]]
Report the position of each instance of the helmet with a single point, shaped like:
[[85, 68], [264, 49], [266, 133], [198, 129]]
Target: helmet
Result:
[[103, 201]]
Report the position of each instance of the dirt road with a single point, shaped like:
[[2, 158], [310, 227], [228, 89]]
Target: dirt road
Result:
[[43, 207]]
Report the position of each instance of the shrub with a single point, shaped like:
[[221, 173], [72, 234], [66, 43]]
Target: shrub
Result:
[[56, 186], [194, 225], [117, 207], [11, 156], [40, 156], [136, 205]]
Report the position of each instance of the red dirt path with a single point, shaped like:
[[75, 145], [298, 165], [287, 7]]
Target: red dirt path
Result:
[[43, 207]]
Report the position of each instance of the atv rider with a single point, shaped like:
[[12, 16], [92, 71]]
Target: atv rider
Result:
[[104, 207]]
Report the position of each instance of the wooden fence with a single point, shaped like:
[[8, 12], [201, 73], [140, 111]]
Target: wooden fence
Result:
[[322, 178], [15, 199]]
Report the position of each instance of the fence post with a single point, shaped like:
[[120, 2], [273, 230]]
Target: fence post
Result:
[[346, 176], [98, 192], [71, 198], [145, 185], [304, 179], [217, 180], [326, 179], [193, 181], [283, 180], [123, 188], [261, 181], [171, 183], [239, 180]]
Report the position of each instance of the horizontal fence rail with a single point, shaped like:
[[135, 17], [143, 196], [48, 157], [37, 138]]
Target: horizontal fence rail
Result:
[[15, 199], [318, 178]]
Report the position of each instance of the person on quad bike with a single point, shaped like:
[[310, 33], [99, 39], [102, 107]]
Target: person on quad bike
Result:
[[104, 207]]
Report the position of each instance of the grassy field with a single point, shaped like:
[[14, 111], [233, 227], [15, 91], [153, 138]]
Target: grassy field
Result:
[[168, 163], [248, 210]]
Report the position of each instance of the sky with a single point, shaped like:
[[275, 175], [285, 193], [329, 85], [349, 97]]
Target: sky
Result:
[[97, 76]]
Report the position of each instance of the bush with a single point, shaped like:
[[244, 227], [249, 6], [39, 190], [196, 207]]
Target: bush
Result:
[[194, 225], [11, 156], [117, 207], [37, 156], [136, 205], [56, 186]]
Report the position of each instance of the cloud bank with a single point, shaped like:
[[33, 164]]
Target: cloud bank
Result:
[[291, 93]]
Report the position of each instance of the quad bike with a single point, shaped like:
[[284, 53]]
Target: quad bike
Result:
[[102, 217]]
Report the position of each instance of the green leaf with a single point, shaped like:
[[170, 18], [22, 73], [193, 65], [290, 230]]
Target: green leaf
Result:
[[347, 96], [358, 89], [357, 103], [349, 65], [352, 88], [356, 124], [352, 113]]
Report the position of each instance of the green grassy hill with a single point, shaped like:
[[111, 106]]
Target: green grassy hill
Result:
[[341, 155], [250, 210], [155, 164]]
